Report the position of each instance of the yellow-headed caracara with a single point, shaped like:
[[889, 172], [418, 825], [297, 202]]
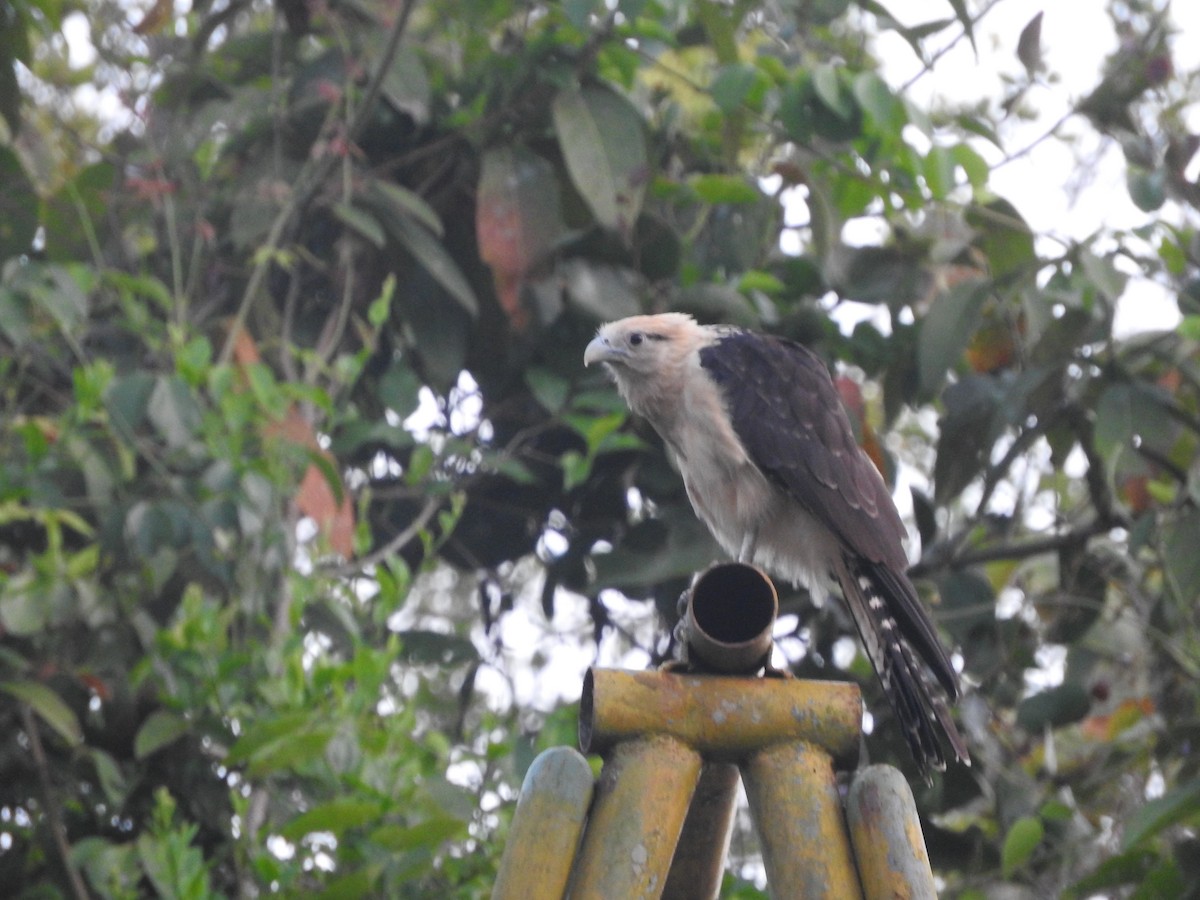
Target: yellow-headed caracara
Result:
[[771, 466]]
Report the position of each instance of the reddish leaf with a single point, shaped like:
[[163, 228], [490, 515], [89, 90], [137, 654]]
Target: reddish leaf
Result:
[[856, 409], [1126, 715], [316, 497], [518, 219]]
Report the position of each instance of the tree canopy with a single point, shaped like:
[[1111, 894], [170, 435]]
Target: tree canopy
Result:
[[307, 502]]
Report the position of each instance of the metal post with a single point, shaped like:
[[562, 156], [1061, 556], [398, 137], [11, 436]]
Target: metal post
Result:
[[886, 833], [546, 827], [674, 745], [798, 816], [641, 802], [699, 863]]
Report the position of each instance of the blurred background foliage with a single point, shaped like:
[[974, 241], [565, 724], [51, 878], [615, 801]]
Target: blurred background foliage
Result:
[[310, 516]]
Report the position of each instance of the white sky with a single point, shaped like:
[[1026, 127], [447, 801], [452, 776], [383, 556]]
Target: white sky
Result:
[[1049, 186]]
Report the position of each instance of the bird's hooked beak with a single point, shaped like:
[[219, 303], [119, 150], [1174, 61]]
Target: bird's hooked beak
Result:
[[600, 350]]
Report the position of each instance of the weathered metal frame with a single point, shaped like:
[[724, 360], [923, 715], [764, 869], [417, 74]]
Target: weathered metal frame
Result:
[[656, 822]]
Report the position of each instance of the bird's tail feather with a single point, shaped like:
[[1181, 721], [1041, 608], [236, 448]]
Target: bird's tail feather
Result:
[[915, 696]]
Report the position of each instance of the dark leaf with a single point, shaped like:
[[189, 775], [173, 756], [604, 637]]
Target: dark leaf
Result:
[[49, 707], [603, 141], [1022, 839], [1055, 707], [1029, 46], [1181, 804], [946, 328], [18, 201], [966, 432]]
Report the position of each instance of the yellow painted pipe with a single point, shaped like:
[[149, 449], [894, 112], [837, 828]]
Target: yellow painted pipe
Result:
[[886, 833], [641, 802], [699, 863], [723, 718], [798, 816], [546, 827]]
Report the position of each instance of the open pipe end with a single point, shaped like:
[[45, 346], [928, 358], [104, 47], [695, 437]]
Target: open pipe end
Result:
[[730, 618]]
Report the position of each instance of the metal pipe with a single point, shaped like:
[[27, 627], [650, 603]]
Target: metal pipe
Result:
[[641, 802], [722, 718], [699, 862], [798, 816], [886, 833], [730, 618], [546, 827]]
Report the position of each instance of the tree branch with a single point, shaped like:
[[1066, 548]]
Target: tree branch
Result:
[[391, 547], [57, 828], [310, 181], [935, 560]]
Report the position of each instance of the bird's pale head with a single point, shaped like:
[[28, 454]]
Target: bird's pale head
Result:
[[641, 345], [646, 355]]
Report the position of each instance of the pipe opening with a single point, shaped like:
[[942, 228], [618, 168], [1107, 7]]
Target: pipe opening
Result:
[[731, 614]]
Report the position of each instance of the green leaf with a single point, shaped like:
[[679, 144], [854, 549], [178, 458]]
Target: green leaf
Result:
[[336, 816], [1020, 842], [1004, 237], [1180, 805], [946, 329], [160, 729], [603, 142], [877, 99], [733, 84], [725, 189], [550, 389], [966, 433], [828, 85], [1129, 412], [361, 223], [432, 255], [420, 646], [430, 834], [1147, 187], [1181, 538], [938, 170], [1062, 705], [286, 742], [174, 411], [49, 706], [402, 202], [1129, 867]]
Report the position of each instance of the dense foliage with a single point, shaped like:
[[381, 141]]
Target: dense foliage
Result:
[[305, 494]]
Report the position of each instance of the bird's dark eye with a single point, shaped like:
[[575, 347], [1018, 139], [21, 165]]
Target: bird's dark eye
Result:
[[635, 339]]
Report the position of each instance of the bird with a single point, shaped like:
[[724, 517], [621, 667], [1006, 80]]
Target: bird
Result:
[[771, 466]]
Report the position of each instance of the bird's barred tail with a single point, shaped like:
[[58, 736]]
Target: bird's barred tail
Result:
[[915, 696]]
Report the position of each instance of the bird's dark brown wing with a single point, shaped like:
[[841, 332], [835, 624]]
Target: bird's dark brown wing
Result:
[[788, 416]]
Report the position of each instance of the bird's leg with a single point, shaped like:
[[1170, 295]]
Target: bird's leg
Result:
[[679, 636], [746, 556], [746, 553]]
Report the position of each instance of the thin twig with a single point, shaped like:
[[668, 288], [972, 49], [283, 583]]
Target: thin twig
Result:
[[927, 65], [57, 828], [310, 181], [1018, 550], [391, 547]]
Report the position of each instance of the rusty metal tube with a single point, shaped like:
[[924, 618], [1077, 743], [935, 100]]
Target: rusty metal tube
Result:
[[887, 838], [699, 862], [730, 617], [546, 827], [722, 718], [798, 816], [641, 802]]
